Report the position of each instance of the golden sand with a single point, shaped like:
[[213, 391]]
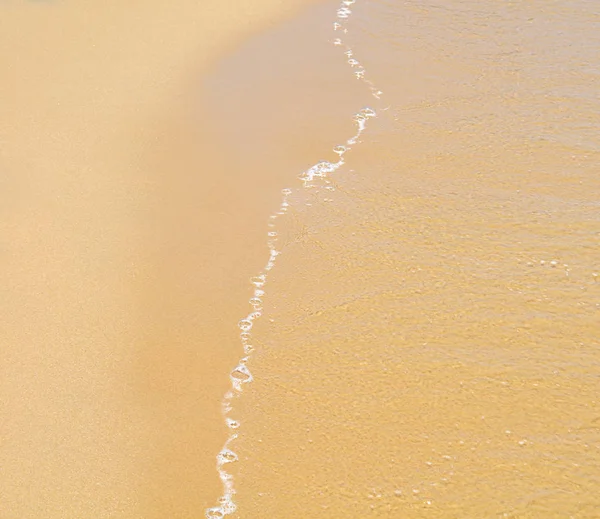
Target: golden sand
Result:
[[125, 248]]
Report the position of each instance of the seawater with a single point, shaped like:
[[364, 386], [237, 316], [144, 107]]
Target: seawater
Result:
[[428, 340]]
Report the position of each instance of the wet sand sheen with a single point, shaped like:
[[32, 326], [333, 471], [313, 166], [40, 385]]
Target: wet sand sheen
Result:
[[125, 246]]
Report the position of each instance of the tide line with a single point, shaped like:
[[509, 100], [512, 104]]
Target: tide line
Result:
[[240, 376]]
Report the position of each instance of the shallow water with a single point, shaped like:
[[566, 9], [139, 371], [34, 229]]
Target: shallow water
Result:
[[428, 345]]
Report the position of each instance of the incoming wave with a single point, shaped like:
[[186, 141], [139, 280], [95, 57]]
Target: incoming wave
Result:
[[241, 375]]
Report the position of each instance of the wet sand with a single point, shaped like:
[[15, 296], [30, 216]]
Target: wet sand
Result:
[[125, 245]]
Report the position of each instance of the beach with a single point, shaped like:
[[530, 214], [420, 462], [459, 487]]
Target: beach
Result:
[[313, 259]]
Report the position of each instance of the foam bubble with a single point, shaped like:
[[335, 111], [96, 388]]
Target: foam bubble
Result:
[[258, 281], [232, 424], [369, 112], [343, 12], [227, 456], [226, 477], [319, 170], [245, 325], [241, 373], [239, 376]]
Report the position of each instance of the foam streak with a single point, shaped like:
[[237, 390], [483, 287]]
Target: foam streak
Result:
[[241, 375]]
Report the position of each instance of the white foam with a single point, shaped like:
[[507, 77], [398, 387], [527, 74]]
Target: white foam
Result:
[[241, 374]]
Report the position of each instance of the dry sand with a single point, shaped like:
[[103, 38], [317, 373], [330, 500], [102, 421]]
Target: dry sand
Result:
[[124, 250]]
